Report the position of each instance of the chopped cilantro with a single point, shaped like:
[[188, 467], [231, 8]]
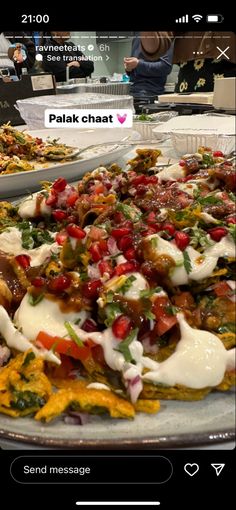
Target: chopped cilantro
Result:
[[171, 310], [77, 321], [148, 293], [207, 159], [73, 335], [129, 212], [149, 315], [187, 262], [232, 196], [112, 309], [34, 300], [127, 284], [123, 346], [28, 358], [232, 231], [154, 242], [209, 200], [229, 327]]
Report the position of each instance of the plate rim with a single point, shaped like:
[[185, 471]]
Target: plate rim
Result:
[[163, 442]]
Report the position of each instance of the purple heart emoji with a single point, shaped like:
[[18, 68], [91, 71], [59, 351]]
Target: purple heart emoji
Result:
[[121, 118]]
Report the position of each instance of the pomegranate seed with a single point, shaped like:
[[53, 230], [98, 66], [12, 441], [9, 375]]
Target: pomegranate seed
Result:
[[75, 231], [149, 231], [59, 283], [89, 325], [182, 162], [38, 281], [60, 184], [231, 219], [52, 198], [105, 267], [217, 233], [39, 141], [23, 260], [149, 271], [169, 228], [95, 252], [90, 289], [72, 199], [130, 254], [61, 237], [120, 232], [126, 267], [218, 154], [59, 215], [182, 240], [121, 326], [125, 242]]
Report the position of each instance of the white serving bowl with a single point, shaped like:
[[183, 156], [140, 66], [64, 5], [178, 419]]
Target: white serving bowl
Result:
[[189, 143]]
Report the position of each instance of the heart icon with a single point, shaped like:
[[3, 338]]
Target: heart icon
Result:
[[191, 469], [121, 118]]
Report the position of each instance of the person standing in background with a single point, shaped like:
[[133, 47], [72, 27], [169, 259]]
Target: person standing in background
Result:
[[195, 74], [148, 78]]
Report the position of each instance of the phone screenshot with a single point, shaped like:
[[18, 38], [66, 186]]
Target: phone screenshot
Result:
[[117, 259]]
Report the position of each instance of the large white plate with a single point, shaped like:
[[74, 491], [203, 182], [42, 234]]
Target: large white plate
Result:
[[178, 424], [22, 182]]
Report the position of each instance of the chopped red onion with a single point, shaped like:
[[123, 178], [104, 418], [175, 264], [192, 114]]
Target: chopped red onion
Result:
[[76, 418], [4, 354], [112, 246]]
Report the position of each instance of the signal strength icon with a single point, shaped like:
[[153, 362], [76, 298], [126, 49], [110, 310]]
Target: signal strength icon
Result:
[[184, 19], [197, 17]]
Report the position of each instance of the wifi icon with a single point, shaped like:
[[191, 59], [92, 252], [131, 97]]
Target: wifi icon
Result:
[[197, 17]]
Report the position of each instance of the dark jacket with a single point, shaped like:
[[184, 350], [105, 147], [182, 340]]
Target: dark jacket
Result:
[[58, 67], [149, 78]]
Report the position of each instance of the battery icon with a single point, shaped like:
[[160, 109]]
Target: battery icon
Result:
[[214, 18]]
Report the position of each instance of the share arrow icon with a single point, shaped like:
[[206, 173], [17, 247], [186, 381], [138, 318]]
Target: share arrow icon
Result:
[[218, 468]]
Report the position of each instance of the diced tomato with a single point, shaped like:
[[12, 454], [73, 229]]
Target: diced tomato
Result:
[[75, 231], [62, 346], [63, 370], [72, 199], [165, 323], [95, 252], [165, 320], [222, 289], [23, 260]]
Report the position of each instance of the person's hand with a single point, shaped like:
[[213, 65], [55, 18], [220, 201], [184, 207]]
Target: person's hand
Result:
[[130, 63], [74, 63]]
